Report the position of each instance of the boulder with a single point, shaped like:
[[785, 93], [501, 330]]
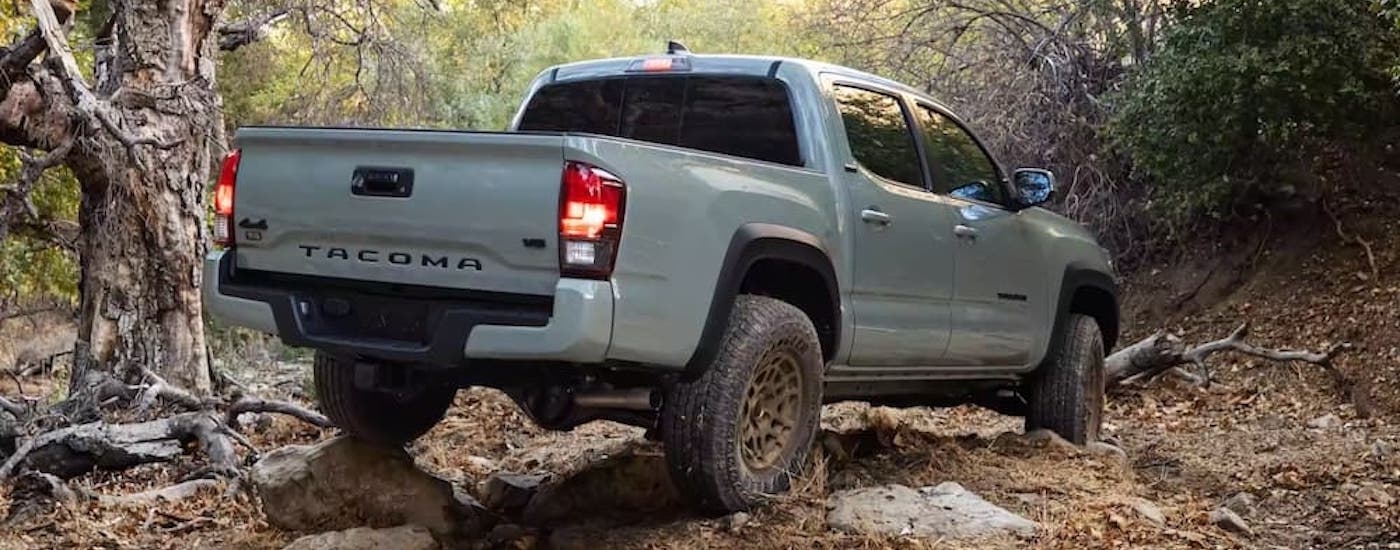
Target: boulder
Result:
[[632, 483], [403, 537], [946, 511], [510, 535], [344, 482], [509, 493]]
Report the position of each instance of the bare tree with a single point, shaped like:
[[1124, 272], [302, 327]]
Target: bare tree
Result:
[[142, 137], [1028, 74]]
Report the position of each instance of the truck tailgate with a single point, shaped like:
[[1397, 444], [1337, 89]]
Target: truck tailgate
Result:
[[460, 210]]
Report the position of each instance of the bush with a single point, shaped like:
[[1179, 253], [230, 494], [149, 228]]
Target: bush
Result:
[[1239, 88]]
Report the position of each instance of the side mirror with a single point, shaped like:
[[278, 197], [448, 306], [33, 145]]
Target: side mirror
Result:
[[977, 190], [1034, 186]]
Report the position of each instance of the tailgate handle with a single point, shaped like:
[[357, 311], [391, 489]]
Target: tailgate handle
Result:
[[379, 181]]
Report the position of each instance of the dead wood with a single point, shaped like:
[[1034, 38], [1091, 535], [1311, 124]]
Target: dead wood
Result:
[[1358, 239], [172, 493], [256, 404], [1161, 352], [61, 447]]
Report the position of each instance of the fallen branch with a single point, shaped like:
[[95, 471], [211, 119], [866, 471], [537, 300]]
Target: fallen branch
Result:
[[172, 493], [13, 408], [1159, 353], [254, 404]]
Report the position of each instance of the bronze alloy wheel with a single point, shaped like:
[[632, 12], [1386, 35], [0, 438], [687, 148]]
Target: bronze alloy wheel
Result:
[[738, 433], [772, 408]]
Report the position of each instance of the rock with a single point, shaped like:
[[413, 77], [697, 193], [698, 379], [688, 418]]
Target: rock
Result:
[[403, 537], [571, 538], [1049, 439], [849, 445], [1111, 452], [509, 493], [1228, 520], [1381, 448], [1241, 503], [1371, 494], [344, 482], [628, 483], [735, 522], [1325, 422], [1147, 510], [510, 535], [34, 494], [946, 511]]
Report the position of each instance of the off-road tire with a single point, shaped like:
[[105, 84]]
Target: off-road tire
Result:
[[376, 416], [701, 424], [1066, 394]]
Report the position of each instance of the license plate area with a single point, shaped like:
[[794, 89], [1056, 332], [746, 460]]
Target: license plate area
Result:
[[366, 317]]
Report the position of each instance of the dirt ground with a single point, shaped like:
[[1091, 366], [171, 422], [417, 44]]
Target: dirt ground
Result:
[[1256, 430]]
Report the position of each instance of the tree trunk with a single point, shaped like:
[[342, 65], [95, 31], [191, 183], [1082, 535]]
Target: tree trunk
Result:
[[143, 160]]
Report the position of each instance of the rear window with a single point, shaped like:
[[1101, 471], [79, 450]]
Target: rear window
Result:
[[746, 117]]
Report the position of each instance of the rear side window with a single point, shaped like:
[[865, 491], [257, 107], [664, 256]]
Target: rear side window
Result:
[[746, 117], [879, 134]]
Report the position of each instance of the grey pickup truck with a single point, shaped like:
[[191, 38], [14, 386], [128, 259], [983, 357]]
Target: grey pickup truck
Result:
[[706, 246]]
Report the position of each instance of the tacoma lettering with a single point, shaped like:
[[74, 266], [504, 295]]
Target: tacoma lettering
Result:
[[371, 256]]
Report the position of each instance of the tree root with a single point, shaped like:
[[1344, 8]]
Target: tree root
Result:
[[257, 404], [70, 450]]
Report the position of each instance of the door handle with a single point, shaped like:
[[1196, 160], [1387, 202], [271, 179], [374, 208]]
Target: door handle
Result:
[[875, 216], [965, 231]]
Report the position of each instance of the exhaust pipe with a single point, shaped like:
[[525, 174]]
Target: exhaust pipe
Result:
[[632, 399]]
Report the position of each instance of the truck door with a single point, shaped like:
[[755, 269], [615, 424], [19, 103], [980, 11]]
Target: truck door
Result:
[[999, 280], [903, 272]]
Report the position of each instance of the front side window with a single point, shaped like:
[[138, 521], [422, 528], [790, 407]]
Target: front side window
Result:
[[743, 116], [960, 167], [879, 134]]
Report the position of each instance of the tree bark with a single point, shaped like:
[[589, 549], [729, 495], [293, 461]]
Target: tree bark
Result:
[[142, 153]]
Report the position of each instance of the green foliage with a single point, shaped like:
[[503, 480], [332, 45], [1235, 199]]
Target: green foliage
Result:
[[468, 65], [1240, 88], [31, 267]]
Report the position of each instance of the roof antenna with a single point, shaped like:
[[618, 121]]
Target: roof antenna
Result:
[[674, 47]]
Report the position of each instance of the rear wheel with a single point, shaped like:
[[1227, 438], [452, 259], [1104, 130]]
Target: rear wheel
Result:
[[743, 429], [1066, 394], [389, 418]]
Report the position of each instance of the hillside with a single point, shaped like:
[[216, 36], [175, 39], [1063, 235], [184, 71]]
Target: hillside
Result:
[[1260, 429]]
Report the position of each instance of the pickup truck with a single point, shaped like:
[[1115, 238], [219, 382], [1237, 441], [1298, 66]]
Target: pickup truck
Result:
[[707, 246]]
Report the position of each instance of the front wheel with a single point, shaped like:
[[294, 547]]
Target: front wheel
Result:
[[1066, 394], [381, 417], [743, 429]]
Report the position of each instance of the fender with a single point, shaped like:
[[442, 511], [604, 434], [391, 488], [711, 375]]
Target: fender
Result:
[[1079, 276], [753, 242]]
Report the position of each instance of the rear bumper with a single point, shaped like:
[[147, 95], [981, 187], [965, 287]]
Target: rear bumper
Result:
[[439, 328]]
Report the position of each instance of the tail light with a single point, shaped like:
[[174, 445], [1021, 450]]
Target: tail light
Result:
[[223, 200], [590, 220]]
